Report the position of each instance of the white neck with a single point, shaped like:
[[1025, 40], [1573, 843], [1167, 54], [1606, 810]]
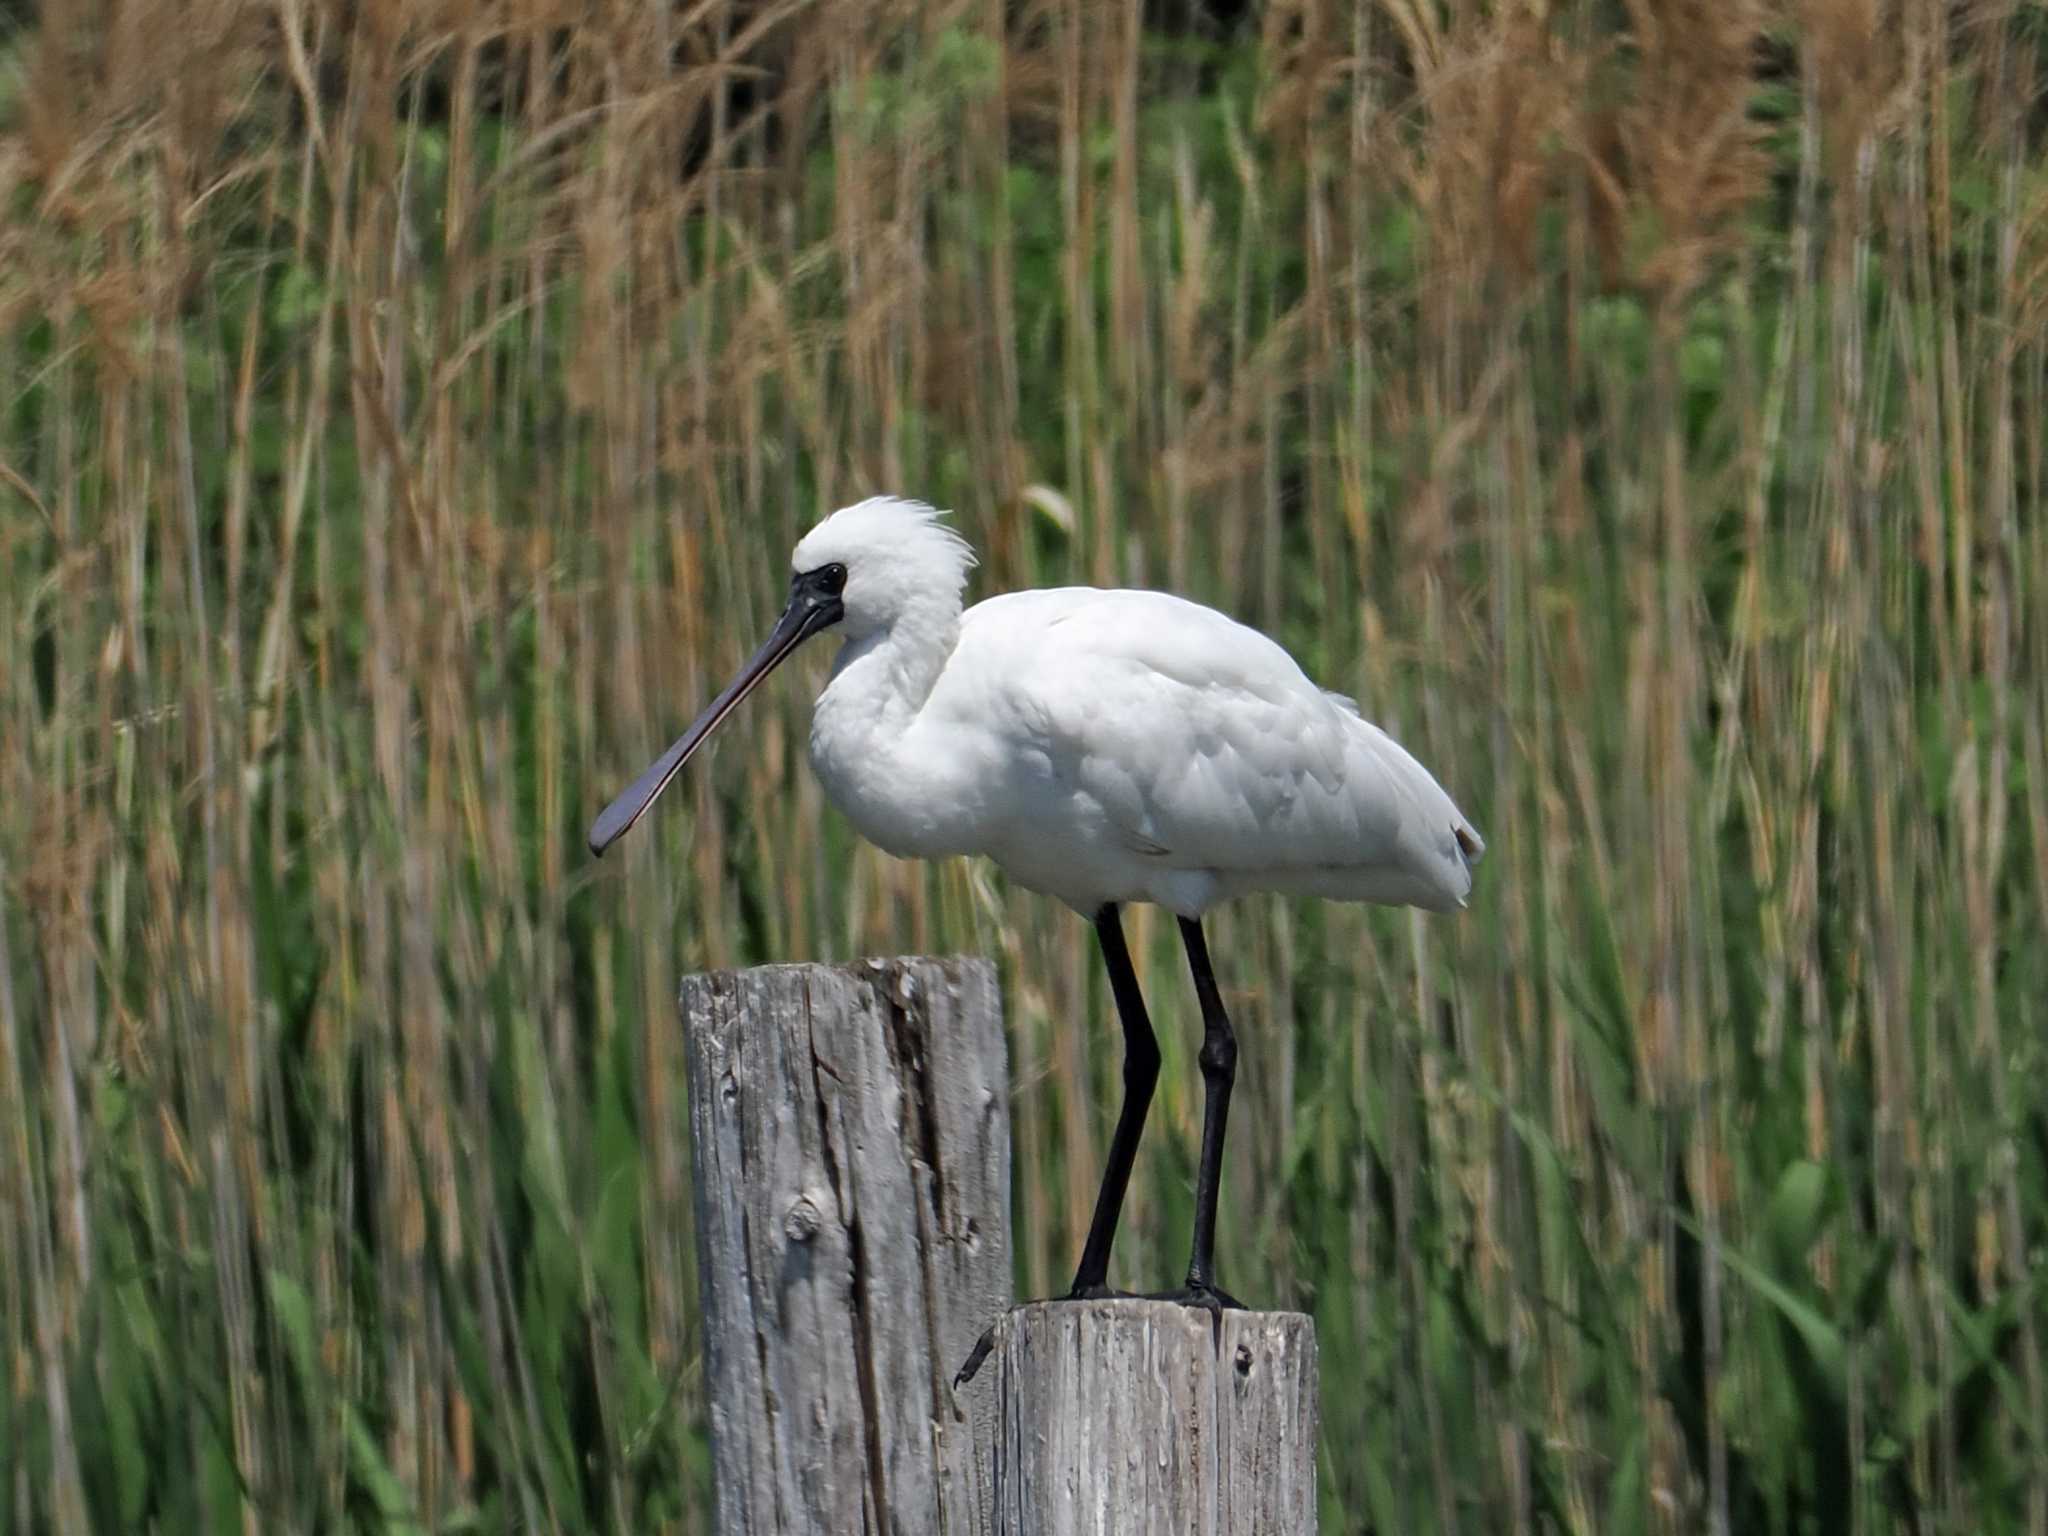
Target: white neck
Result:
[[890, 671], [879, 685]]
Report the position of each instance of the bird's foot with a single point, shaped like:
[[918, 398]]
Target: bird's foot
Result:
[[1200, 1293], [1193, 1294], [1098, 1293]]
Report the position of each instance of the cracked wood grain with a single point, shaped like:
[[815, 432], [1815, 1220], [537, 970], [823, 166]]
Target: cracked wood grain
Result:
[[1147, 1418], [850, 1126]]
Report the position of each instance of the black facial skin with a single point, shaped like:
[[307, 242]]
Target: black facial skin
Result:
[[824, 585]]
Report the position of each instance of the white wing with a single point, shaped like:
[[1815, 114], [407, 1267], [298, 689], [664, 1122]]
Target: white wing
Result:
[[1206, 747]]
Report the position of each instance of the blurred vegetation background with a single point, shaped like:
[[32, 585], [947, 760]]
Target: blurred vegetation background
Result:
[[1640, 406]]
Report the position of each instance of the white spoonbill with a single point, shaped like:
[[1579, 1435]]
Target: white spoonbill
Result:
[[1102, 747]]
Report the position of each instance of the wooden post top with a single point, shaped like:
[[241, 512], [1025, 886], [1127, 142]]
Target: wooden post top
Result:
[[1149, 1418]]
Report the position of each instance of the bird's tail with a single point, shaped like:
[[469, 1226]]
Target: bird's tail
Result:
[[1439, 843], [1470, 843]]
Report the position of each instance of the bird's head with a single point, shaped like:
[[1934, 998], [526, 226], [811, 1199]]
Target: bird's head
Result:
[[888, 560], [866, 568]]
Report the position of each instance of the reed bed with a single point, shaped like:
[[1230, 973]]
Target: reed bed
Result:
[[1640, 407]]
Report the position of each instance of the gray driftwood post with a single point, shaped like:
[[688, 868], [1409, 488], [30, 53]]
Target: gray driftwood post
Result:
[[1146, 1418], [852, 1136]]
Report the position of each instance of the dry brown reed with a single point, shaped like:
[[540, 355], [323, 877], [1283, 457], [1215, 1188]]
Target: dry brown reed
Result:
[[1641, 409]]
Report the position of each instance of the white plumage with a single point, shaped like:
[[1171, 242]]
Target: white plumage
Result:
[[1104, 748], [1107, 746]]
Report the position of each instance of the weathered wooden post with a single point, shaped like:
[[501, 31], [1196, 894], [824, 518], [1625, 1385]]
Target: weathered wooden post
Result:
[[852, 1137], [1147, 1418]]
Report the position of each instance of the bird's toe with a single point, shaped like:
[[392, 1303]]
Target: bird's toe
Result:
[[1097, 1293], [1199, 1293]]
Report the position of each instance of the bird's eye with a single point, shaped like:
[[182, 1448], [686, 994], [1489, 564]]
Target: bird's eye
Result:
[[832, 579]]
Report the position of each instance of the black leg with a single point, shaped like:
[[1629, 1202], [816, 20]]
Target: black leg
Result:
[[1219, 1071], [1141, 1073]]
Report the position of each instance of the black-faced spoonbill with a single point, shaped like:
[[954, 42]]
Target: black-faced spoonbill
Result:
[[1103, 748]]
